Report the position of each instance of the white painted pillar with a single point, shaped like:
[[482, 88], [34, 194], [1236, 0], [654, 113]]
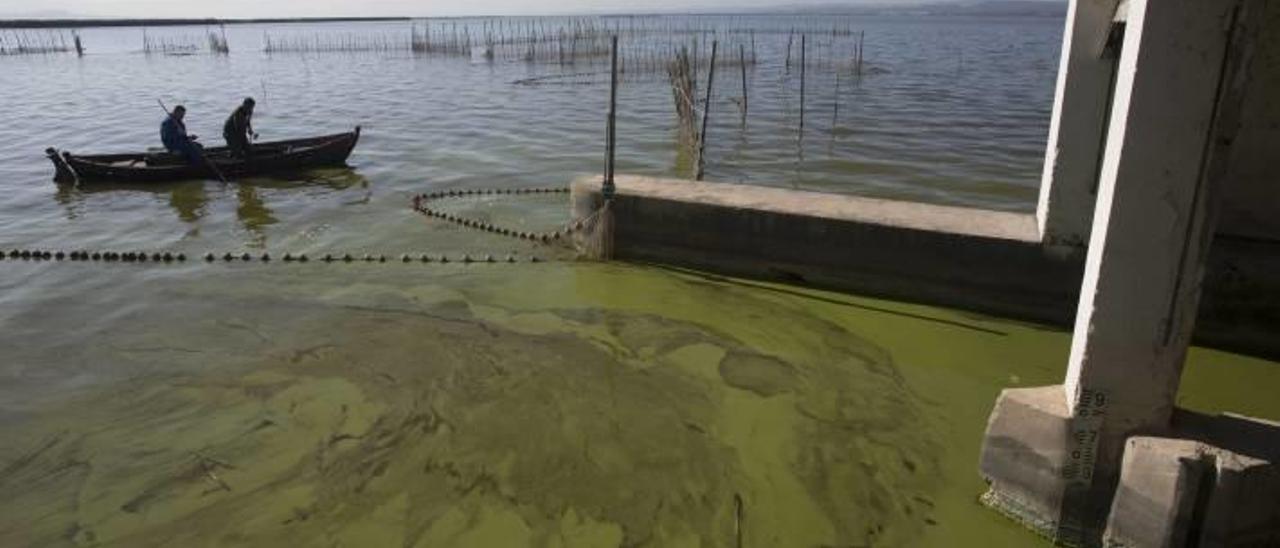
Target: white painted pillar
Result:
[[1160, 177], [1078, 127]]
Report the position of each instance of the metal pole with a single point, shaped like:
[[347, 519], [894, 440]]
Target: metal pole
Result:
[[706, 112], [611, 127]]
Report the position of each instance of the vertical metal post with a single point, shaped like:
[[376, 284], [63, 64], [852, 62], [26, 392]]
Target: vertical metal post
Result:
[[706, 113], [611, 127]]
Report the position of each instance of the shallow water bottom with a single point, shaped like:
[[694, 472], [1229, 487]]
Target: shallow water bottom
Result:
[[559, 404]]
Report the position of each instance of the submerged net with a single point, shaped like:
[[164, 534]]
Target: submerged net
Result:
[[595, 241]]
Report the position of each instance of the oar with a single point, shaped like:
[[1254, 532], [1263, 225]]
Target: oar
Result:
[[199, 150]]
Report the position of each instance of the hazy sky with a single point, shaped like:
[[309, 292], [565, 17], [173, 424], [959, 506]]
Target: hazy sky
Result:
[[325, 8]]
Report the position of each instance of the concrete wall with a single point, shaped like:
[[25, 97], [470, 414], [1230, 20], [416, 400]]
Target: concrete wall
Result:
[[1252, 196], [966, 258], [979, 260]]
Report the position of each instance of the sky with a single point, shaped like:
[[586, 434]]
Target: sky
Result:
[[370, 8]]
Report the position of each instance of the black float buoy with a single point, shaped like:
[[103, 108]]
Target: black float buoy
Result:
[[168, 257], [59, 256], [288, 258], [511, 259], [489, 259], [227, 257], [426, 258], [246, 257], [266, 257], [347, 258], [96, 256], [534, 260], [444, 258], [208, 257], [405, 258], [302, 257]]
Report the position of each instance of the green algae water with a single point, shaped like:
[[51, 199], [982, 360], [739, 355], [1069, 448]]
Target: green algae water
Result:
[[554, 404]]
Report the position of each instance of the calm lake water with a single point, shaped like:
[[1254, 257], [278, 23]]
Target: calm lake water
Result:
[[551, 404]]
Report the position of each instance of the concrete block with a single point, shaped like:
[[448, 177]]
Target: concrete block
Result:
[[1182, 492], [1025, 455], [1160, 483]]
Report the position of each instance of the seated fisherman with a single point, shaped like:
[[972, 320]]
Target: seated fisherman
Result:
[[173, 133], [239, 128]]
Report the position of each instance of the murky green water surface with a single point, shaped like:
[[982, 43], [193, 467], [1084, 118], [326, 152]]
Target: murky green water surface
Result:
[[542, 405], [550, 404]]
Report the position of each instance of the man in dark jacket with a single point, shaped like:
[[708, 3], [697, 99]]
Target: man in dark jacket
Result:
[[239, 128], [173, 133]]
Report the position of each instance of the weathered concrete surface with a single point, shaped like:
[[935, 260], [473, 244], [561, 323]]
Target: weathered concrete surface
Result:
[[1078, 129], [1253, 178], [1214, 478], [1025, 454], [1178, 492], [1155, 218], [966, 258], [973, 259], [1161, 481]]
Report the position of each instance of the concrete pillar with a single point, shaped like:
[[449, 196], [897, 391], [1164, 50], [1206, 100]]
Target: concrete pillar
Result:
[[1053, 454], [1078, 127], [1157, 194], [1177, 95]]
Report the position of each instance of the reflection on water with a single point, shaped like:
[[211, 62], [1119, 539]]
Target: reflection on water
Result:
[[253, 214], [190, 199]]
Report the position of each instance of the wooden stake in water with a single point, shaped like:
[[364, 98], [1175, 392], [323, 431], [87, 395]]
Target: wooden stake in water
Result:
[[706, 113], [742, 58], [802, 70], [835, 112]]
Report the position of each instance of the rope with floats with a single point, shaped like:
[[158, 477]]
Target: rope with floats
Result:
[[422, 204], [171, 258]]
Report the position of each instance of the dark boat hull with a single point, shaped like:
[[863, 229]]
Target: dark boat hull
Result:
[[265, 158]]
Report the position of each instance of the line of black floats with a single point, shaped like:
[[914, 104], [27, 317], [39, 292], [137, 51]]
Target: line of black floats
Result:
[[169, 257], [420, 202]]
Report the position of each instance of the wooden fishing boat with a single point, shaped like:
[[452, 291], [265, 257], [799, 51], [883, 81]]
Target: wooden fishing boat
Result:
[[270, 157]]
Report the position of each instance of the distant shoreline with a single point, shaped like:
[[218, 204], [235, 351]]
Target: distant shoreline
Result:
[[87, 23], [990, 8]]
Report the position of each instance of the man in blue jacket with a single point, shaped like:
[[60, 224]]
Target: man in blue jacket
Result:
[[173, 133]]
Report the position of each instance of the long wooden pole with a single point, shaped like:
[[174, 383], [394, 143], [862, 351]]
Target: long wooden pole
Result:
[[706, 112]]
